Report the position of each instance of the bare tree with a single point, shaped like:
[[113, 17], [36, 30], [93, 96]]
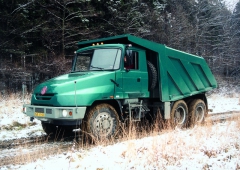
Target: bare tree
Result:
[[67, 23]]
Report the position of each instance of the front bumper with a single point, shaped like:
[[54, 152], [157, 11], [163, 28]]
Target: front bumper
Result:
[[47, 113]]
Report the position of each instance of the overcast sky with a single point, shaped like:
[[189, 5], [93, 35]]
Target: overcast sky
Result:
[[231, 4]]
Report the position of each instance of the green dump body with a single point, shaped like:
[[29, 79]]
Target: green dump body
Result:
[[180, 74]]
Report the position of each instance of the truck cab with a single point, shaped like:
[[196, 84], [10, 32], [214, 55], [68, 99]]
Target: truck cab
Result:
[[127, 82]]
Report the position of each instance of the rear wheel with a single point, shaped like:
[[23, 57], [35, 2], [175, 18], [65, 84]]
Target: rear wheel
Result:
[[197, 112], [179, 114], [102, 121]]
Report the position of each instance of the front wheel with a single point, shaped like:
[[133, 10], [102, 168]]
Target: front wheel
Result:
[[102, 121], [56, 131], [179, 114]]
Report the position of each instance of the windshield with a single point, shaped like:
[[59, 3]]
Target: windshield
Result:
[[98, 59]]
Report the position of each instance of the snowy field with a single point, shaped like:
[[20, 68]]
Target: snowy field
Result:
[[202, 147]]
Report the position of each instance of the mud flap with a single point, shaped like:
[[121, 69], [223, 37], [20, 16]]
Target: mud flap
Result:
[[167, 110]]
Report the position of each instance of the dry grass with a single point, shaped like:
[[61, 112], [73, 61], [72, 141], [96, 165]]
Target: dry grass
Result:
[[39, 150], [13, 101], [161, 149], [17, 126], [11, 106], [166, 147]]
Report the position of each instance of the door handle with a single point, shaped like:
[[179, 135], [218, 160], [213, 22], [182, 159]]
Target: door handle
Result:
[[114, 82], [138, 79]]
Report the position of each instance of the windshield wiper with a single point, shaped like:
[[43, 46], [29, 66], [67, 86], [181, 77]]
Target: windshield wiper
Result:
[[97, 67], [78, 71]]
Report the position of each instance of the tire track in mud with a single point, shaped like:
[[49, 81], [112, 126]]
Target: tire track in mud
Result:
[[30, 153], [223, 116], [7, 144], [25, 150]]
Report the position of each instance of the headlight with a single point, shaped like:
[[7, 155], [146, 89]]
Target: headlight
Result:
[[64, 113]]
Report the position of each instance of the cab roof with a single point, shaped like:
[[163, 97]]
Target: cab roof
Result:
[[123, 39]]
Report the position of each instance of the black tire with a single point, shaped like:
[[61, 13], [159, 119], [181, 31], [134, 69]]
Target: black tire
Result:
[[50, 129], [65, 130], [56, 131], [179, 114], [197, 112], [101, 122], [152, 75]]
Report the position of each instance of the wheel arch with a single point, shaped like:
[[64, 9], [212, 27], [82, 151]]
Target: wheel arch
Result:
[[114, 103], [201, 96]]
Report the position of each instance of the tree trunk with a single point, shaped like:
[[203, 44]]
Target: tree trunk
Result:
[[63, 32]]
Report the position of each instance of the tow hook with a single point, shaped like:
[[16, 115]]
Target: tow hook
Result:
[[31, 119]]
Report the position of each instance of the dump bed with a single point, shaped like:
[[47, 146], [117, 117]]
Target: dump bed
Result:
[[183, 75], [180, 74]]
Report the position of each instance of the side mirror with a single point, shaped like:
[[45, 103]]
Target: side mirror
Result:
[[73, 60]]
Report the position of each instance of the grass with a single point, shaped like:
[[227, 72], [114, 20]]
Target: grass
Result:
[[144, 146], [17, 126], [12, 102], [10, 106], [162, 149], [171, 148]]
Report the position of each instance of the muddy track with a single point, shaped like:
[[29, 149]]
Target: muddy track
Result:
[[11, 143], [24, 150], [223, 116], [30, 153]]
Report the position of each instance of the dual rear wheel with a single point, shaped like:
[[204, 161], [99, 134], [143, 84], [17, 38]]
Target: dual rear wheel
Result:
[[197, 112], [183, 115], [179, 114]]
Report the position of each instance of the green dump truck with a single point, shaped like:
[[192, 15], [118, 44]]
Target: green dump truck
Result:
[[123, 78]]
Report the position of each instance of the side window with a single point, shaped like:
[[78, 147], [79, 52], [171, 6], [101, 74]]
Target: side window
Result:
[[131, 60], [83, 61]]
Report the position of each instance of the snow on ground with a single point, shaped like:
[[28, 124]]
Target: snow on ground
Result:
[[220, 104], [224, 99], [214, 147], [11, 114], [208, 147], [14, 124]]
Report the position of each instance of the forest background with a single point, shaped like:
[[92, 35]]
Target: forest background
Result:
[[38, 37]]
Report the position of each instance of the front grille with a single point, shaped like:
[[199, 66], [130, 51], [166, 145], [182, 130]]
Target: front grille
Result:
[[49, 111], [40, 110], [46, 96]]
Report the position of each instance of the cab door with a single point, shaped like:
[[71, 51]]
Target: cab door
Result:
[[133, 81]]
